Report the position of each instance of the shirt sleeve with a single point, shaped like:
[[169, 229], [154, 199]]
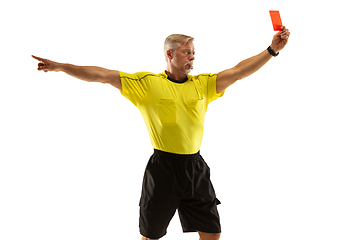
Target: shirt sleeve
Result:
[[134, 86], [212, 95]]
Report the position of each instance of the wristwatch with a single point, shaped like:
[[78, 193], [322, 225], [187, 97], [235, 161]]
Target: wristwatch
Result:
[[272, 52]]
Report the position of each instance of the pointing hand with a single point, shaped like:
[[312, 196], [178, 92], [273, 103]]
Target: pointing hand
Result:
[[47, 65]]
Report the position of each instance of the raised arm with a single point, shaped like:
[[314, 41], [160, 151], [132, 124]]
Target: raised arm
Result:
[[251, 65], [85, 73]]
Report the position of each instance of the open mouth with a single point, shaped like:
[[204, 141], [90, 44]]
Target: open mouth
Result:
[[189, 65]]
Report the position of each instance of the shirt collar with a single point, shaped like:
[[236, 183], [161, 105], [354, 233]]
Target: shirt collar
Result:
[[175, 81]]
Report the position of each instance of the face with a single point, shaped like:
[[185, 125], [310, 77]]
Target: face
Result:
[[183, 57]]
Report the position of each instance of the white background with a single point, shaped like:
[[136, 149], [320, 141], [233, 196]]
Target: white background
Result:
[[283, 144]]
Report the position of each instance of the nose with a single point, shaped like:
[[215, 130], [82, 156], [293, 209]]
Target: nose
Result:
[[191, 57]]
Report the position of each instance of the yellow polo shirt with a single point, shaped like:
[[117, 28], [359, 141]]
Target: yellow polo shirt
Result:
[[174, 113]]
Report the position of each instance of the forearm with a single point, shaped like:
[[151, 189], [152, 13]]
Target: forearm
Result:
[[251, 65]]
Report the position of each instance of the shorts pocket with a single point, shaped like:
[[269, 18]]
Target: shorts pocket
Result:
[[166, 111]]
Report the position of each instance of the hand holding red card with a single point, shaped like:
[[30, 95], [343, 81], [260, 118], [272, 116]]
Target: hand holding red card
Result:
[[276, 20], [280, 39]]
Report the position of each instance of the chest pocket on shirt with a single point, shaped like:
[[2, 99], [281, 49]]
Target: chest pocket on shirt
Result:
[[195, 109], [166, 111]]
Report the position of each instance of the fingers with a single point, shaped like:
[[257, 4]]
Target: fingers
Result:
[[285, 33], [42, 66]]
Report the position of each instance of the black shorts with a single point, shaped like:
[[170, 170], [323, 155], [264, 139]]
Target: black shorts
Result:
[[177, 182]]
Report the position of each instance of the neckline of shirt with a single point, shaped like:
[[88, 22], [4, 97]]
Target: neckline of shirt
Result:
[[175, 81]]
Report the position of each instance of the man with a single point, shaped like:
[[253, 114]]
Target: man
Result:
[[173, 105]]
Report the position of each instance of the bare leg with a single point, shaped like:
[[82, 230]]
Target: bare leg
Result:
[[145, 238], [209, 236]]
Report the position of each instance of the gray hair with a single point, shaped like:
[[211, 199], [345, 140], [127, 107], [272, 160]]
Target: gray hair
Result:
[[172, 42]]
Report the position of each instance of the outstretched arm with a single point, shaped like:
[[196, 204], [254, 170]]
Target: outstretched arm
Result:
[[251, 65], [89, 74]]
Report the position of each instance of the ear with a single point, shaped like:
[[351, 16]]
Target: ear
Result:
[[170, 54]]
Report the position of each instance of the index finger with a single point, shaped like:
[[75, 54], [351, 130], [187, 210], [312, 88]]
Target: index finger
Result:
[[38, 58]]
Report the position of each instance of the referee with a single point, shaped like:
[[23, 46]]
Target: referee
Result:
[[173, 105]]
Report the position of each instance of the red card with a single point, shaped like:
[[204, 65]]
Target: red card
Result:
[[276, 20]]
